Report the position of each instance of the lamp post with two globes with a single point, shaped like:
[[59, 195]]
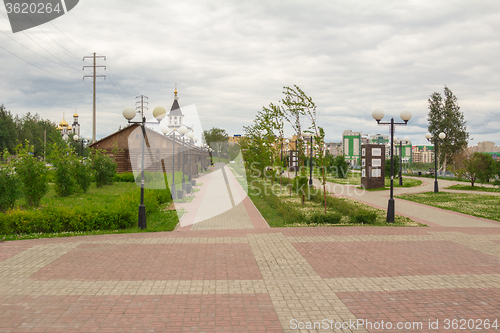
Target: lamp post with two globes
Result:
[[378, 114], [87, 139], [191, 136], [183, 130], [129, 113], [407, 139], [173, 190], [429, 137]]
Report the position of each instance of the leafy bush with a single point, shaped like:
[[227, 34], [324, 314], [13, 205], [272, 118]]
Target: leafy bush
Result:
[[321, 218], [364, 216], [104, 167], [58, 219], [63, 159], [32, 173], [388, 167], [300, 184], [125, 177], [83, 173], [344, 208], [339, 167], [9, 188]]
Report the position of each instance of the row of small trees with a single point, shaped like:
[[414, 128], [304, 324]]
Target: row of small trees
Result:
[[262, 144], [28, 177]]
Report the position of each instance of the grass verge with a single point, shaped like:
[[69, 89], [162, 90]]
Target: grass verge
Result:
[[280, 209], [474, 188], [480, 205]]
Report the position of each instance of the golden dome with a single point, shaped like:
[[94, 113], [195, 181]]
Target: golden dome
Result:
[[63, 123], [75, 115], [69, 127], [59, 127]]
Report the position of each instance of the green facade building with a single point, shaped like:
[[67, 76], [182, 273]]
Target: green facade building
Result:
[[351, 144]]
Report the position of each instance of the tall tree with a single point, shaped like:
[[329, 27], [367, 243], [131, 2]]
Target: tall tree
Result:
[[217, 139], [8, 130], [445, 116]]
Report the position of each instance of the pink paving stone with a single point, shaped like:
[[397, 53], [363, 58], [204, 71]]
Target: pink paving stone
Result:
[[357, 259], [133, 262], [423, 306], [179, 313]]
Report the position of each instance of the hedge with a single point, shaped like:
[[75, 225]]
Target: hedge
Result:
[[120, 214]]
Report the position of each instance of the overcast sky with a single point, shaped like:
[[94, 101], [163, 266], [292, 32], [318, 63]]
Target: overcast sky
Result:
[[231, 58]]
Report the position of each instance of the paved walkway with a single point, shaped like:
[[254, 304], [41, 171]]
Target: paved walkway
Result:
[[242, 276]]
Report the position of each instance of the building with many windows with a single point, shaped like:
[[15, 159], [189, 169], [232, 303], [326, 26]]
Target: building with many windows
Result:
[[334, 148], [486, 147], [422, 154], [351, 146], [235, 138]]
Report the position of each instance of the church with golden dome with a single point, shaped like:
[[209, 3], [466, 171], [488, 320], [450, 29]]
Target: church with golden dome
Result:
[[67, 130]]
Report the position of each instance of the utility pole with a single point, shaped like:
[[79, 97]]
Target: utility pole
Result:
[[94, 76], [139, 105]]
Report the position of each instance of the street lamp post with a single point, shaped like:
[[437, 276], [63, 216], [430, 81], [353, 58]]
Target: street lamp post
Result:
[[173, 191], [195, 139], [129, 113], [406, 116], [401, 159], [183, 130], [190, 136], [429, 137], [84, 140]]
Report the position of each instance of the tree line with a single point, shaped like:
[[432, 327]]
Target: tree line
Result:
[[42, 134]]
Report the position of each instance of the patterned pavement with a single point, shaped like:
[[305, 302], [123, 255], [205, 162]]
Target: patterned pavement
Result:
[[223, 277]]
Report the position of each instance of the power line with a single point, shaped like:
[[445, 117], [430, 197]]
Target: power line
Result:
[[111, 91], [113, 76], [29, 63], [38, 54], [97, 97], [34, 41]]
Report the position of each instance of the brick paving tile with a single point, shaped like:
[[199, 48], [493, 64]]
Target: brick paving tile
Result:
[[203, 313], [204, 261], [422, 307], [358, 259]]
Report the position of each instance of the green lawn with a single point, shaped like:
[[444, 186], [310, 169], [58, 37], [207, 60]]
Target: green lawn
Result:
[[355, 179], [480, 205], [474, 188], [160, 220]]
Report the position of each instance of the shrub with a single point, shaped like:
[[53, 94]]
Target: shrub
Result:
[[339, 167], [322, 218], [32, 174], [104, 168], [126, 177], [63, 159], [9, 188], [300, 184], [80, 218], [364, 216], [83, 174]]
